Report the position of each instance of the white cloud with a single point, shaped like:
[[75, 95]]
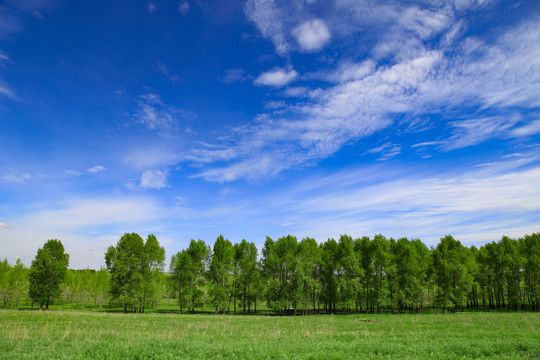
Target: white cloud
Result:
[[96, 169], [151, 7], [154, 179], [155, 156], [86, 226], [361, 98], [276, 77], [268, 17], [155, 115], [425, 23], [183, 8], [532, 128], [16, 176], [472, 203], [387, 151], [312, 35], [6, 225], [7, 92], [475, 131]]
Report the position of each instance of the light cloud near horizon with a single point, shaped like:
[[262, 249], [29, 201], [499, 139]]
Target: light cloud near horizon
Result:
[[476, 205]]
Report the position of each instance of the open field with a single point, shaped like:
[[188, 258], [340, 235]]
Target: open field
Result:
[[91, 335]]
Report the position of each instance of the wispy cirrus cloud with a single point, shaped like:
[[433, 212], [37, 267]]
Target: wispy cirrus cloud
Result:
[[361, 98], [16, 176], [155, 115], [476, 204]]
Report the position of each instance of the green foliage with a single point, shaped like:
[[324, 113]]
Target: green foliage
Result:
[[188, 268], [220, 274], [135, 267], [47, 273]]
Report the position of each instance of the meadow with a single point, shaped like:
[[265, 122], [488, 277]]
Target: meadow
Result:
[[61, 334]]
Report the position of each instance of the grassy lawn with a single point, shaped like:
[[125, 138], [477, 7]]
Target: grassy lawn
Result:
[[97, 335]]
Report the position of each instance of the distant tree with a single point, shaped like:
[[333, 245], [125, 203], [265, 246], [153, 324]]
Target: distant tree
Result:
[[124, 264], [18, 283], [188, 268], [365, 248], [133, 265], [382, 267], [350, 274], [47, 272], [287, 253], [530, 250], [246, 260], [450, 260], [329, 267], [309, 261], [100, 286], [220, 274], [5, 271], [152, 264]]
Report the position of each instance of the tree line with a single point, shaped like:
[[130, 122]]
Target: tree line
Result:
[[289, 276]]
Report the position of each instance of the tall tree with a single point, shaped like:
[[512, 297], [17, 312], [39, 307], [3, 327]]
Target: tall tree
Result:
[[5, 271], [152, 264], [134, 264], [349, 274], [188, 268], [246, 258], [47, 272], [450, 258], [309, 260], [530, 250], [220, 274], [329, 266], [18, 283]]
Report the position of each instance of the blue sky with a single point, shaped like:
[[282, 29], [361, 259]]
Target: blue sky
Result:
[[194, 118]]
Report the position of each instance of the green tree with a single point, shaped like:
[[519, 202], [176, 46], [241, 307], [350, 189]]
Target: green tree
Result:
[[124, 263], [153, 261], [349, 274], [188, 268], [329, 266], [530, 250], [450, 260], [134, 265], [382, 267], [47, 272], [309, 260], [5, 271], [100, 286], [18, 283], [246, 258], [220, 274]]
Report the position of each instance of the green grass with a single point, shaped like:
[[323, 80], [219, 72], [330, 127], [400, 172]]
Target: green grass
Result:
[[97, 335]]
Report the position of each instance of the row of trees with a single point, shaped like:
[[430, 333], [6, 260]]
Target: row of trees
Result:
[[345, 275], [358, 275]]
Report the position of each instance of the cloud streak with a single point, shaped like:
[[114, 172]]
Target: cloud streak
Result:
[[362, 98]]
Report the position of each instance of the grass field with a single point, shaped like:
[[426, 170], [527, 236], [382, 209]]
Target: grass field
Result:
[[94, 335]]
